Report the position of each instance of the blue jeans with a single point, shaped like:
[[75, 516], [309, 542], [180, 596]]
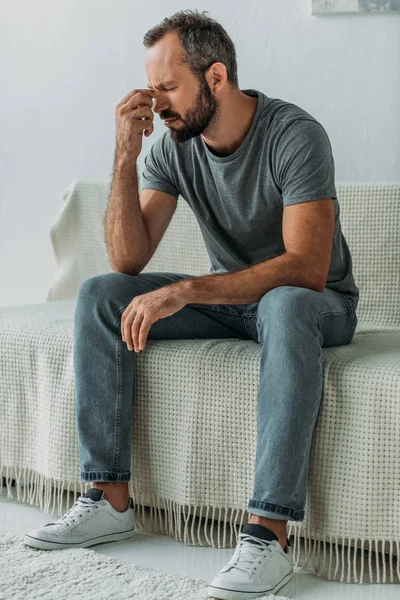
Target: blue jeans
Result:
[[291, 324]]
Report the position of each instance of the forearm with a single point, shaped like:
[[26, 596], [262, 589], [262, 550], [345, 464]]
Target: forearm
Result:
[[126, 233], [250, 284]]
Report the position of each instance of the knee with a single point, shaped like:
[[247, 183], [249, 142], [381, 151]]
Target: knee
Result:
[[285, 303], [98, 289]]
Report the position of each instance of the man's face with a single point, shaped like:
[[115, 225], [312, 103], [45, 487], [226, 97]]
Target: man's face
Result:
[[180, 93]]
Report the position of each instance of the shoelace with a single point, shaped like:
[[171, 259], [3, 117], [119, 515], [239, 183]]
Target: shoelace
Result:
[[82, 504], [246, 556]]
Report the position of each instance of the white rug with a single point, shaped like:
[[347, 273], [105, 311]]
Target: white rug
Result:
[[27, 574]]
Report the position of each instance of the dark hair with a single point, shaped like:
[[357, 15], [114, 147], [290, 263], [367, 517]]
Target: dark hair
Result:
[[203, 42]]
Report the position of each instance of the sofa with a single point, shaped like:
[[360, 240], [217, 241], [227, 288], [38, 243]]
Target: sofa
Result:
[[195, 401]]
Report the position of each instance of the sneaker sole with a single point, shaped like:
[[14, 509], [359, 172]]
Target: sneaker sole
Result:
[[224, 594], [47, 545]]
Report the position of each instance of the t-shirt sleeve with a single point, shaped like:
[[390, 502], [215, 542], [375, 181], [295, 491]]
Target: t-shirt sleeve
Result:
[[157, 174], [305, 165]]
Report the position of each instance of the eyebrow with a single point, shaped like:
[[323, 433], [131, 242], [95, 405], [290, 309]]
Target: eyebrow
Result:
[[161, 86]]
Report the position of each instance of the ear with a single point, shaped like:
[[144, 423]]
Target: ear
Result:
[[217, 77]]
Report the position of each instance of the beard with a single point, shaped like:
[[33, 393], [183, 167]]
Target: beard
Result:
[[199, 117]]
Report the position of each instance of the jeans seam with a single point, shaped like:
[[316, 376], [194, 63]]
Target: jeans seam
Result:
[[105, 476], [117, 408], [215, 308], [258, 325], [120, 310], [290, 512], [352, 312]]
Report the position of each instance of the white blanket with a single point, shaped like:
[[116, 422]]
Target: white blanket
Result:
[[189, 391]]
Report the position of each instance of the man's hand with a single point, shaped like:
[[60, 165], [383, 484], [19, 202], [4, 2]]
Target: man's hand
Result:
[[134, 115], [146, 309]]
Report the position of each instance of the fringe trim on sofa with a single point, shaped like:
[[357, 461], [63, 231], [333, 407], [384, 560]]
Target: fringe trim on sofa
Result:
[[38, 490]]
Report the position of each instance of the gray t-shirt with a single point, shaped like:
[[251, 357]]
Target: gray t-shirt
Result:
[[238, 200]]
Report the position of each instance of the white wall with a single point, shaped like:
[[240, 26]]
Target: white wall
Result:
[[65, 65]]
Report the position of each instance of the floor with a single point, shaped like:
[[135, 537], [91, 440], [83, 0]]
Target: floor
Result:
[[166, 554]]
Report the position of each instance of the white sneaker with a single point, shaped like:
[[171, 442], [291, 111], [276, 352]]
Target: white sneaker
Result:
[[91, 520], [258, 566]]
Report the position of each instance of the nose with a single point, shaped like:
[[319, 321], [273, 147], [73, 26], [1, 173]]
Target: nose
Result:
[[159, 103]]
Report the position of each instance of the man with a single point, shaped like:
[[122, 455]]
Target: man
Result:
[[258, 173]]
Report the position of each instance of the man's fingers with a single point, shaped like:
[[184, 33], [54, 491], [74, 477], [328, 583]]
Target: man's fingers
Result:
[[145, 95], [133, 92], [144, 330], [136, 325], [126, 326]]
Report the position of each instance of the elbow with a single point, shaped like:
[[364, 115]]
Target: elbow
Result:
[[127, 270], [121, 269], [318, 285]]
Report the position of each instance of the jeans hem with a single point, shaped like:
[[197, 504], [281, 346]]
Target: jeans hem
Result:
[[274, 511], [105, 476]]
